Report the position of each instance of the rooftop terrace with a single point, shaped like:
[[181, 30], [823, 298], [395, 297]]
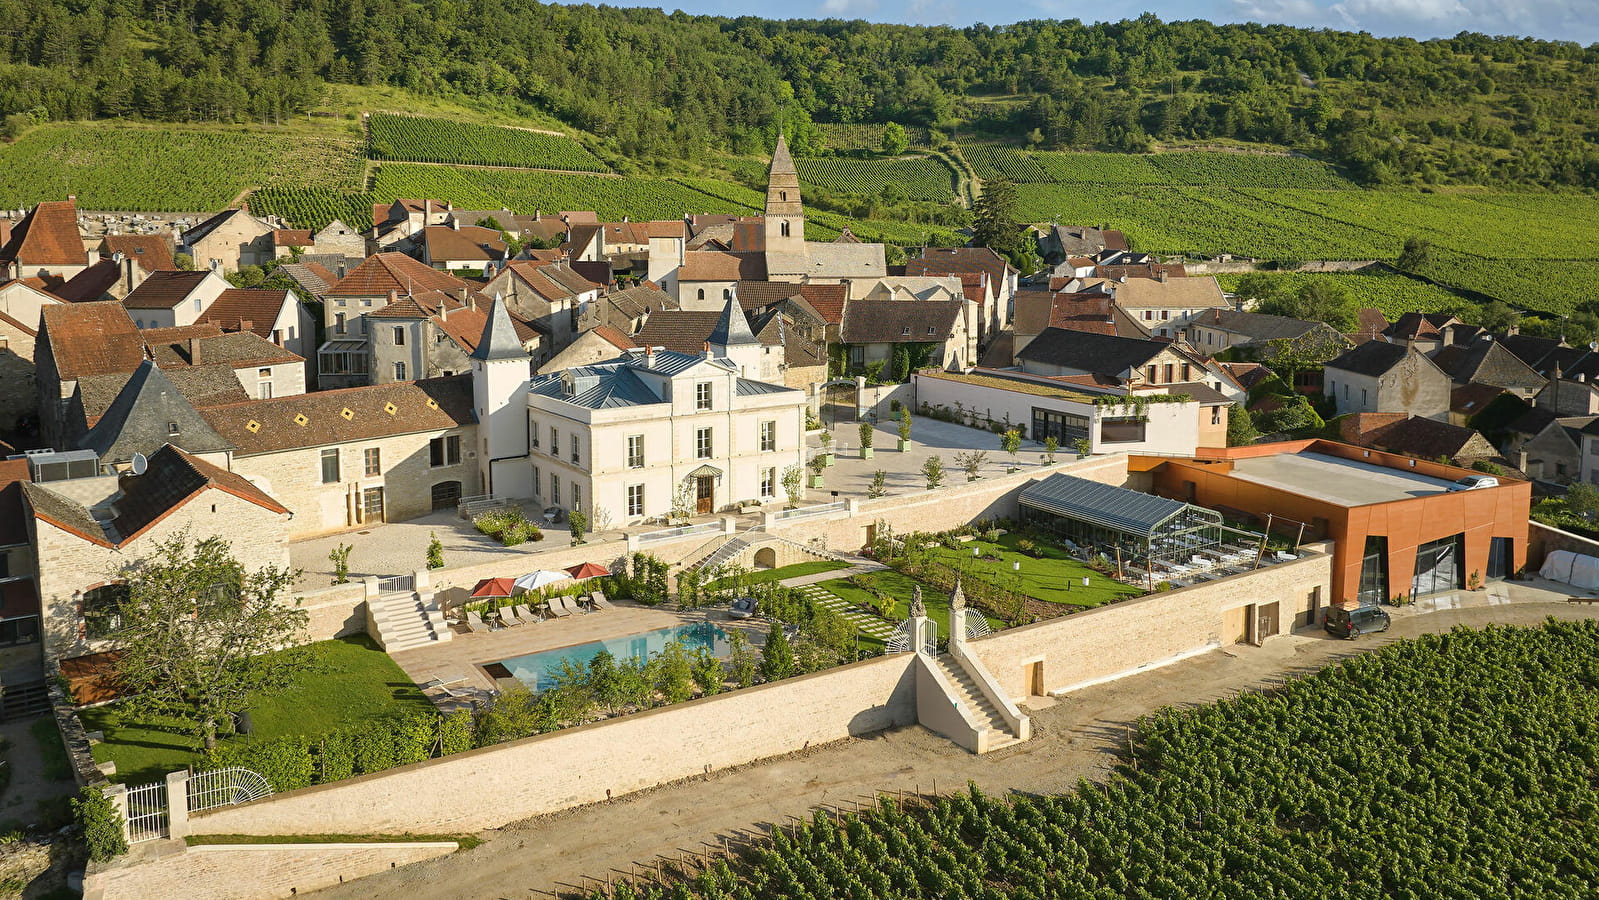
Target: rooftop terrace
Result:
[[1342, 481]]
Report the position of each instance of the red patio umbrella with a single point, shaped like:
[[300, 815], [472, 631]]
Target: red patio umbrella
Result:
[[493, 587], [587, 570]]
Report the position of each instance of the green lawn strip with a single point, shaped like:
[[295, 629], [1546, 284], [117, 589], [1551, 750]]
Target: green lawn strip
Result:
[[51, 749], [467, 841], [761, 576], [1053, 577], [899, 587], [351, 680]]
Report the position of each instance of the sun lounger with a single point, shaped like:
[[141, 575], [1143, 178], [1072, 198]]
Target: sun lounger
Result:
[[474, 621], [599, 601], [508, 616], [559, 608], [526, 613]]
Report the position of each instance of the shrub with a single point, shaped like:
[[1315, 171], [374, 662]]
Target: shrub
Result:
[[336, 758], [285, 762], [1027, 546], [340, 557], [101, 824], [777, 657], [435, 552]]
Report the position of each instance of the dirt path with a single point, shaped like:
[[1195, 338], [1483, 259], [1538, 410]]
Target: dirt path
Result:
[[1076, 738]]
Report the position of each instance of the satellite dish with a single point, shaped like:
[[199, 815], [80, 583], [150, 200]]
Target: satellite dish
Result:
[[140, 464]]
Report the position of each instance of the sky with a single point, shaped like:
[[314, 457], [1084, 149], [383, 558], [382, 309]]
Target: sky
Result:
[[1568, 20]]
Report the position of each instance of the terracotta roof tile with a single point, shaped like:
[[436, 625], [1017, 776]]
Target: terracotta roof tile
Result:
[[238, 308], [92, 283], [153, 252], [614, 337], [92, 339], [434, 404], [47, 236], [164, 289], [958, 260], [235, 350], [292, 237], [469, 242], [383, 273]]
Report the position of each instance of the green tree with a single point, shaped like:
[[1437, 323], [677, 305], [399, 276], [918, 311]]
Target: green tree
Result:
[[1011, 442], [867, 433], [708, 672], [100, 823], [578, 522], [1317, 300], [675, 678], [1583, 499], [435, 552], [879, 485], [1240, 426], [1258, 286], [994, 224], [793, 482], [741, 663], [895, 140], [183, 261], [200, 634], [777, 656], [339, 556], [1498, 316], [905, 423], [1051, 447], [1287, 357], [972, 462], [1415, 256], [933, 472]]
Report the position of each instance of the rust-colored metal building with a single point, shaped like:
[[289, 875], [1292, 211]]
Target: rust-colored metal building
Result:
[[1397, 527]]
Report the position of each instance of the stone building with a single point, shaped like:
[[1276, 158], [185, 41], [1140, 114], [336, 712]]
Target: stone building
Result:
[[344, 359], [550, 295], [171, 299], [1388, 378], [45, 243], [228, 240], [433, 334]]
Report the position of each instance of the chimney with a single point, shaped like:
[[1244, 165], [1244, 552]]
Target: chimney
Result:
[[93, 256], [1521, 460], [455, 223], [394, 296], [132, 273], [246, 325], [1162, 276], [194, 351], [5, 231], [216, 266]]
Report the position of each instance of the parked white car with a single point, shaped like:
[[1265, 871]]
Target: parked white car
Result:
[[1474, 483]]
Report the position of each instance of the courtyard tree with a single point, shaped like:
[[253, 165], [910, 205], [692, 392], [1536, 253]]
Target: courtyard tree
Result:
[[1084, 447], [1051, 447], [435, 551], [1311, 350], [879, 485], [933, 471], [1240, 426], [818, 465], [340, 558], [578, 521], [793, 483], [777, 656], [741, 663], [904, 428], [972, 462], [200, 633], [1011, 442], [866, 432]]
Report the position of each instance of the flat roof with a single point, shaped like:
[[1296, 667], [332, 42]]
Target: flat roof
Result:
[[1342, 481]]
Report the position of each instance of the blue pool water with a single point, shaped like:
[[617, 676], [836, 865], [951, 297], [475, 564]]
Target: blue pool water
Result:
[[536, 668]]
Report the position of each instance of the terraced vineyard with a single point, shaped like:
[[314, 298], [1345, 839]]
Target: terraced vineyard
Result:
[[916, 179], [992, 162], [1393, 295], [314, 209], [530, 191], [166, 169], [1456, 765], [867, 136], [419, 139]]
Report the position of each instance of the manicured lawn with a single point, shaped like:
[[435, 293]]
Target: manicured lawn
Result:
[[351, 680], [1053, 577], [900, 587], [761, 576]]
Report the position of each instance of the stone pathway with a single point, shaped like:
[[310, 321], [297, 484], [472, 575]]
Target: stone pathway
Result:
[[809, 585]]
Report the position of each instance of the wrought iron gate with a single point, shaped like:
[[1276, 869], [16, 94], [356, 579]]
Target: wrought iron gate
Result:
[[147, 812], [226, 787]]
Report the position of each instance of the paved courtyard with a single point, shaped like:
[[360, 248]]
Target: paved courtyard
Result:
[[851, 476]]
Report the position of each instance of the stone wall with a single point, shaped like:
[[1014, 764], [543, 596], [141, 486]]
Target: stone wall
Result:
[[253, 871], [19, 402], [591, 762], [1122, 638], [1543, 540]]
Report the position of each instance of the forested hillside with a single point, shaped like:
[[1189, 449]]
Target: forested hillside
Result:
[[656, 88]]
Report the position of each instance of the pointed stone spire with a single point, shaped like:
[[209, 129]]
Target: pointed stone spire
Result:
[[499, 340], [733, 328], [957, 597], [782, 162], [918, 608]]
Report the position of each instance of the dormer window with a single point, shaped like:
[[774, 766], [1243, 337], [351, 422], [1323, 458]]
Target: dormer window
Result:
[[172, 428], [929, 329], [905, 331]]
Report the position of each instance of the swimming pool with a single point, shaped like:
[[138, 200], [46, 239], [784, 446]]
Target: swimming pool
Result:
[[535, 668]]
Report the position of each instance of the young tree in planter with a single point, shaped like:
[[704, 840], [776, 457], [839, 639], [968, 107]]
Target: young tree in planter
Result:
[[435, 552], [1051, 447], [200, 634], [793, 483], [904, 428], [879, 485], [340, 557], [1083, 446], [1011, 442], [933, 471], [578, 520], [866, 431], [777, 657], [818, 464], [972, 461]]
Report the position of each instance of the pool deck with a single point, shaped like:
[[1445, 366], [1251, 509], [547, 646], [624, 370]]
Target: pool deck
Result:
[[460, 660]]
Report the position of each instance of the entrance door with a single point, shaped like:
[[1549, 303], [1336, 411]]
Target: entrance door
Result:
[[704, 493], [1035, 679], [371, 505], [1265, 622], [1500, 552], [446, 494]]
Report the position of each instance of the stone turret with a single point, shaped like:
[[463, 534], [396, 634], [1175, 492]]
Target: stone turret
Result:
[[785, 213]]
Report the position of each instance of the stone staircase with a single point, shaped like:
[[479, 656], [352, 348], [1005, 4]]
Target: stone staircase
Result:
[[724, 553], [866, 622], [402, 621], [972, 699]]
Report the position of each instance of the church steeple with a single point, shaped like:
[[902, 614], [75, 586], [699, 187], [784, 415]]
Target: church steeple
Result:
[[785, 213]]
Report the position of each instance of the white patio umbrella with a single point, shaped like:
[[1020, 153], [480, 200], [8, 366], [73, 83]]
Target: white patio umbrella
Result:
[[532, 581]]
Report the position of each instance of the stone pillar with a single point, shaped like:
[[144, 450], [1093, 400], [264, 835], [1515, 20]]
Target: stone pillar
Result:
[[421, 580], [118, 794], [919, 622], [178, 805], [372, 589], [852, 506], [957, 615], [729, 525]]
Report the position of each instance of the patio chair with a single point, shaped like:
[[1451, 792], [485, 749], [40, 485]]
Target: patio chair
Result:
[[508, 616], [474, 621], [526, 613], [575, 603], [558, 608], [599, 601]]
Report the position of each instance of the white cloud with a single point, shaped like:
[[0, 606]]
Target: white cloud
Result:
[[848, 9], [1569, 20]]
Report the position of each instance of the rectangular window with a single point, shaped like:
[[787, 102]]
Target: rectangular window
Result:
[[444, 451], [263, 373], [330, 466], [635, 451], [399, 335], [264, 390], [555, 488], [1187, 372], [1151, 375], [197, 304], [635, 499], [768, 436], [1121, 430], [555, 442], [24, 630], [1215, 415], [374, 462], [399, 371], [1166, 373], [769, 482], [533, 433], [577, 495], [1362, 398], [573, 439], [338, 323], [1165, 314], [1063, 427], [702, 395], [702, 443], [538, 481]]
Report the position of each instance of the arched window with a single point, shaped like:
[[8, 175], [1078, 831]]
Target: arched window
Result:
[[782, 195], [102, 610], [702, 293], [783, 228], [727, 293]]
